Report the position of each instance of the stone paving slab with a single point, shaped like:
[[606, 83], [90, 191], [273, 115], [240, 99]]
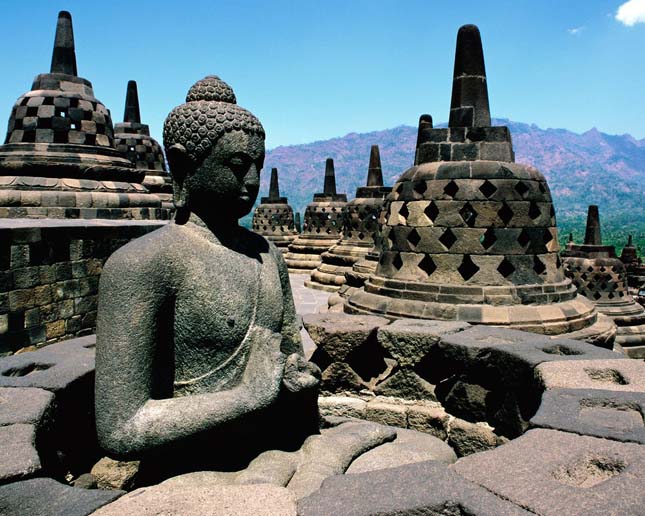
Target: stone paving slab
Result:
[[416, 489], [46, 497], [607, 414], [18, 455], [614, 375], [559, 474], [24, 405], [307, 300]]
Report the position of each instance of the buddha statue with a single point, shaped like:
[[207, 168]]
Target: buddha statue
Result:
[[198, 355]]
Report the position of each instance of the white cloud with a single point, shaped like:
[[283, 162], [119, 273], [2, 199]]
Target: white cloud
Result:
[[631, 12], [575, 31]]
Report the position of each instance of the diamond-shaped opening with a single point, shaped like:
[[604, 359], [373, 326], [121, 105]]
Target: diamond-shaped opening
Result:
[[361, 236], [534, 210], [488, 238], [397, 262], [538, 266], [505, 214], [468, 214], [404, 212], [414, 238], [597, 295], [506, 268], [487, 188], [448, 238], [521, 188], [399, 188], [468, 268], [427, 265], [524, 238], [547, 236], [552, 211], [610, 295], [451, 189], [321, 358], [368, 360], [431, 211], [420, 187]]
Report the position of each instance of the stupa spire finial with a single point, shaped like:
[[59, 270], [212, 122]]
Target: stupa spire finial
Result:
[[374, 172], [469, 104], [132, 113], [330, 178], [592, 232], [64, 55], [274, 186]]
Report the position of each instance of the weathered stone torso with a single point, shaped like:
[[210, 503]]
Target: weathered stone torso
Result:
[[218, 313]]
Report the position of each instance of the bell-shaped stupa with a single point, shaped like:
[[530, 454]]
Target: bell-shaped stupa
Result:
[[132, 139], [322, 226], [359, 226], [273, 218], [602, 278], [59, 158], [470, 235], [366, 266]]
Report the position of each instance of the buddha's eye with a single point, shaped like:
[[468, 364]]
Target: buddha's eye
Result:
[[238, 165]]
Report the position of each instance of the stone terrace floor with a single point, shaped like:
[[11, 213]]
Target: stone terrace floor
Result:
[[308, 301]]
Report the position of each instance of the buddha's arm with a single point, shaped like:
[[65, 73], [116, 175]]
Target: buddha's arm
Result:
[[291, 341], [134, 367]]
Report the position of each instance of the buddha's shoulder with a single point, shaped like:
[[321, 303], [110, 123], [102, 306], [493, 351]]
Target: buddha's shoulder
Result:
[[158, 248]]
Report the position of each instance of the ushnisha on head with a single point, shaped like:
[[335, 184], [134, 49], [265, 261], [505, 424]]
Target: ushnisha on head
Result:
[[215, 150]]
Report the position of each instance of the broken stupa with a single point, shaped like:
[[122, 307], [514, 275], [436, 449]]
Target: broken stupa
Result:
[[360, 225], [273, 218], [321, 228], [471, 235], [132, 138], [59, 158], [602, 278]]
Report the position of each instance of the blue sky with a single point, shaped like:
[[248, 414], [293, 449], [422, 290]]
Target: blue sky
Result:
[[312, 70]]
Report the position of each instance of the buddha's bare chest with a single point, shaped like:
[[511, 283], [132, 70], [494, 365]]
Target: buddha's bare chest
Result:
[[217, 303]]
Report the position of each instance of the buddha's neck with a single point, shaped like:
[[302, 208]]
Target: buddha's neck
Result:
[[223, 228]]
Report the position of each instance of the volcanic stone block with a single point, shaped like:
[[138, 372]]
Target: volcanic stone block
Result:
[[431, 420], [199, 499], [25, 405], [54, 368], [557, 473], [46, 497], [338, 334], [408, 447], [410, 340], [342, 406], [467, 438], [405, 383], [421, 488], [18, 455], [613, 375], [608, 414]]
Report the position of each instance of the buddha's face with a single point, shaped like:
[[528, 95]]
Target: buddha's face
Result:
[[228, 179]]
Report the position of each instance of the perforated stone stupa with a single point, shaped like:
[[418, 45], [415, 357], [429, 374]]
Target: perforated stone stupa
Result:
[[59, 158], [132, 138], [470, 235], [322, 226], [273, 218], [360, 224], [602, 278]]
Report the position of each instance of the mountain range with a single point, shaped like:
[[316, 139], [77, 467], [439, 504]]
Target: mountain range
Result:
[[582, 169]]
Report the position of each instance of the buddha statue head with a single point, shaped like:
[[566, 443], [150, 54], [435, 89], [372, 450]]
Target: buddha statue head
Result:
[[215, 150]]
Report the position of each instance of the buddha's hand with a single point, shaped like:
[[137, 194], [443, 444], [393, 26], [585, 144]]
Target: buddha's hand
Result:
[[299, 374]]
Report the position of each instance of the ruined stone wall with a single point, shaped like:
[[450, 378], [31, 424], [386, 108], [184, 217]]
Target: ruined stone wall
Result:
[[49, 275]]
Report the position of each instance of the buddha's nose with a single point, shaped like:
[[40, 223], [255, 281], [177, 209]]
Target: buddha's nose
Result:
[[252, 177]]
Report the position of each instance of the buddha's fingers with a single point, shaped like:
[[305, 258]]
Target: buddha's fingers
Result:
[[333, 451]]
